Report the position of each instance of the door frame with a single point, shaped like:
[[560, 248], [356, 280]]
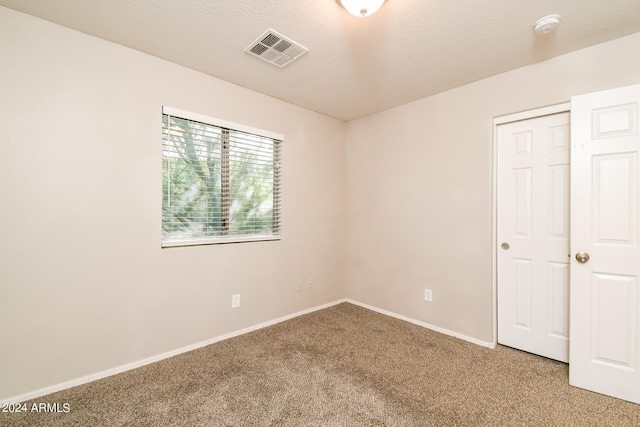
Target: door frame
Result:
[[497, 121]]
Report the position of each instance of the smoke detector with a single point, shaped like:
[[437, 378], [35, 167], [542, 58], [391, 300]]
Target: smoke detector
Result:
[[547, 24], [276, 49]]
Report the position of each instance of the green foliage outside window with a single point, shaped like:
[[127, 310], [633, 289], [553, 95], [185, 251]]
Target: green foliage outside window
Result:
[[217, 183]]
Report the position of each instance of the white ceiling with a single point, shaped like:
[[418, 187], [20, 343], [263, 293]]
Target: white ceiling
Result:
[[410, 49]]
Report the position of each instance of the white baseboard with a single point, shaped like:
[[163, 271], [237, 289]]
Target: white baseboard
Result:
[[424, 325], [123, 368]]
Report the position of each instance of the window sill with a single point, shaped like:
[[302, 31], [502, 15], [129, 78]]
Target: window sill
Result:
[[218, 241]]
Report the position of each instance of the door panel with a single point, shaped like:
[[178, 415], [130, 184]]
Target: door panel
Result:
[[605, 181], [522, 201], [533, 219], [559, 299], [523, 296], [559, 201], [614, 216], [614, 291]]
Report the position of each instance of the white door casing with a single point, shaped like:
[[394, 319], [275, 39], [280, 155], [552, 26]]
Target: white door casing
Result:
[[605, 194], [533, 235]]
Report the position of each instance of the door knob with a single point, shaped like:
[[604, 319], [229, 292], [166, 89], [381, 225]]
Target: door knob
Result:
[[582, 257], [505, 246]]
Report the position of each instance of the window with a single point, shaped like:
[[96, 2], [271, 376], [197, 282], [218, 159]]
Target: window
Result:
[[220, 181]]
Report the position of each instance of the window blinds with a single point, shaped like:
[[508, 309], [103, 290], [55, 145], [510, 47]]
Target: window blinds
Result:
[[221, 182]]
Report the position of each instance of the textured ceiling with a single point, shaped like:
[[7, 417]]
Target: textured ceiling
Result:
[[355, 66]]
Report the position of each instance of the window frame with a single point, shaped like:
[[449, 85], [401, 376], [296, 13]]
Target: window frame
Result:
[[227, 127]]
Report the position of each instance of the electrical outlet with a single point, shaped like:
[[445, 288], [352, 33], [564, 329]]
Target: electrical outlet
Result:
[[428, 295], [310, 282], [299, 286], [235, 301]]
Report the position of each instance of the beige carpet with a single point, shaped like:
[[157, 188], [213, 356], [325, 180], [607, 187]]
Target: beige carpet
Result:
[[342, 366]]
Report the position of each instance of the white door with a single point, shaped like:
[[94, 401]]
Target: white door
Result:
[[605, 293], [533, 235]]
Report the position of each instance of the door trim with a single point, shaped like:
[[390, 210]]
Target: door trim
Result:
[[497, 121]]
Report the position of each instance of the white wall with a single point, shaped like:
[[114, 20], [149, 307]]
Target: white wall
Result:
[[84, 285], [419, 187]]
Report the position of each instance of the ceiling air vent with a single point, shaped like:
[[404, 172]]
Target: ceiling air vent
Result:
[[276, 49]]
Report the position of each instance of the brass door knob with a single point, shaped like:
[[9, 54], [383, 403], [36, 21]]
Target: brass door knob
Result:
[[582, 257]]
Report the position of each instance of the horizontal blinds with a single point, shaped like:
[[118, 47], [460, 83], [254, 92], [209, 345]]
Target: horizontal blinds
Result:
[[218, 183], [174, 112]]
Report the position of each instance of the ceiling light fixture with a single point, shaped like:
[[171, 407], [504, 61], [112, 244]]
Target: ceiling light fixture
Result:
[[361, 8]]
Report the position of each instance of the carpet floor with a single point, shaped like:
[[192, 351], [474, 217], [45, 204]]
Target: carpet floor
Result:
[[341, 366]]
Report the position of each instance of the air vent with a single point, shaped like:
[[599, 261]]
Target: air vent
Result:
[[276, 49]]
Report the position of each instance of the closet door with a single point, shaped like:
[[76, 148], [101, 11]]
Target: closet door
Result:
[[533, 235]]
